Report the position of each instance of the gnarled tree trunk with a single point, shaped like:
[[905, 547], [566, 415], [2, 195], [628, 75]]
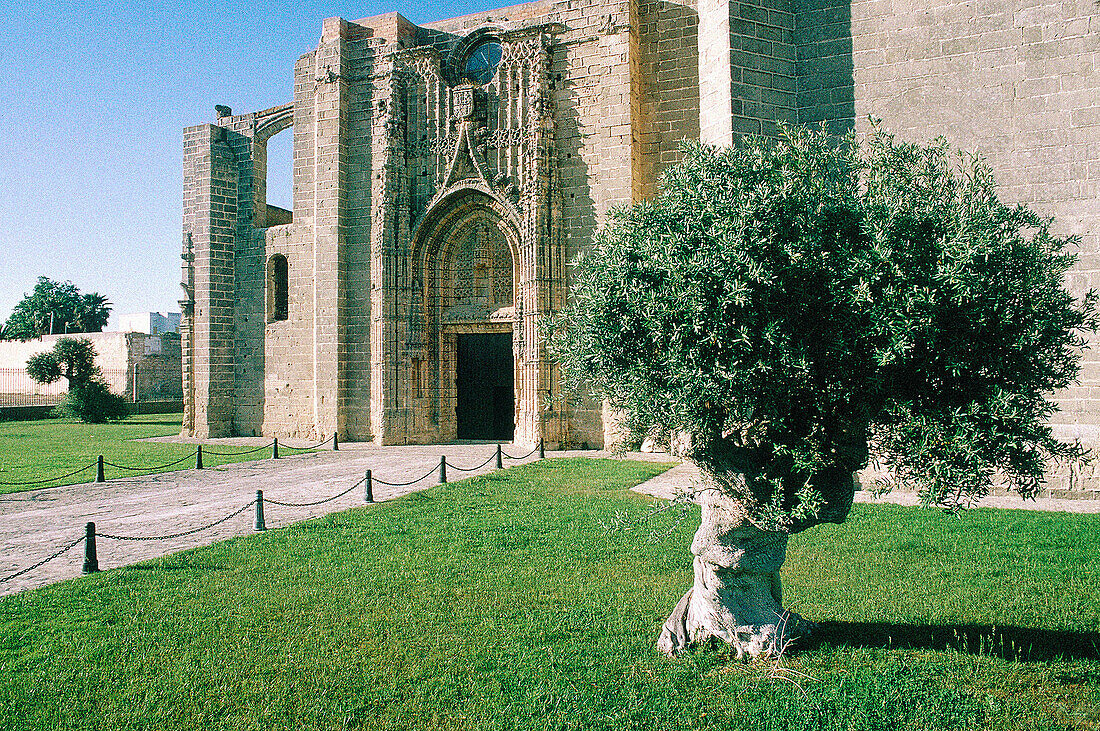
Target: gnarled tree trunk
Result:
[[737, 596]]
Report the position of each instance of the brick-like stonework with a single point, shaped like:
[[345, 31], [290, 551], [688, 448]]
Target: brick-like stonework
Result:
[[399, 163]]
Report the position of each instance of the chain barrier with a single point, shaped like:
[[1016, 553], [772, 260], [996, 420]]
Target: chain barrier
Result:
[[257, 502], [52, 479], [316, 502], [314, 446], [471, 469], [236, 454], [150, 469], [429, 473], [178, 535], [508, 456], [43, 562], [128, 468]]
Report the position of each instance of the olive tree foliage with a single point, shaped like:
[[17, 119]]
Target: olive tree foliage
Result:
[[799, 304], [89, 398]]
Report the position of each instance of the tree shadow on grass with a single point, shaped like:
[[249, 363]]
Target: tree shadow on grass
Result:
[[1008, 643]]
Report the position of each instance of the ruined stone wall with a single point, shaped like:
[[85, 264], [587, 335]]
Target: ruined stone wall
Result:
[[155, 359]]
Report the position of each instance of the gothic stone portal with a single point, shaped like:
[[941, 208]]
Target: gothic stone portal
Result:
[[463, 323]]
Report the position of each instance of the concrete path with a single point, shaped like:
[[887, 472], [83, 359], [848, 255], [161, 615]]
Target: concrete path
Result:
[[35, 524], [684, 475]]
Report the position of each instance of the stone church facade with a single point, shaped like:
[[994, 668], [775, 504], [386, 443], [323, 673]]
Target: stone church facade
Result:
[[445, 175]]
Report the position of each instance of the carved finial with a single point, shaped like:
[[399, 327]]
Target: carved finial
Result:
[[223, 111]]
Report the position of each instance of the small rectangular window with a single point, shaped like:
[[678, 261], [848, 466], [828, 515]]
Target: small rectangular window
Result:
[[278, 288]]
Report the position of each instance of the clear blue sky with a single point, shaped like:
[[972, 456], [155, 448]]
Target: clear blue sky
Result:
[[93, 101]]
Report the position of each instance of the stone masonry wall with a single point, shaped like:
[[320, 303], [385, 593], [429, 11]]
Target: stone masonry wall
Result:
[[1017, 82], [669, 72]]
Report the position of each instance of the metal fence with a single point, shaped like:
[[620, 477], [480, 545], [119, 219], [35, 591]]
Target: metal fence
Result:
[[18, 389]]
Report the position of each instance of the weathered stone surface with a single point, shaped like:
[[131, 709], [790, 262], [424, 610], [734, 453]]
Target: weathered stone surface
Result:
[[585, 110]]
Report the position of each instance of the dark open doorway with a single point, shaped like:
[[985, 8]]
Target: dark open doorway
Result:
[[485, 381]]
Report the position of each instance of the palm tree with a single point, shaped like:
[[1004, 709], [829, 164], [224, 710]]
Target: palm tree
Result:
[[92, 313]]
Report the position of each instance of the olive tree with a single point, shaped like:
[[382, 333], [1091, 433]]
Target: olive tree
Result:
[[797, 305], [88, 399]]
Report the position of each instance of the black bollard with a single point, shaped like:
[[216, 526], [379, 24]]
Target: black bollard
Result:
[[542, 450], [91, 563], [368, 489], [198, 458], [335, 441], [442, 469], [99, 470], [259, 525], [275, 449], [500, 458]]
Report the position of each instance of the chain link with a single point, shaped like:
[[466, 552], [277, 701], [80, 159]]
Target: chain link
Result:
[[314, 446], [471, 469], [177, 535], [508, 456], [150, 469], [316, 502], [44, 561], [237, 454], [403, 484], [53, 479]]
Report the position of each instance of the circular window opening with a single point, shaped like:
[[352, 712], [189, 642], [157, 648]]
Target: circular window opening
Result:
[[481, 64]]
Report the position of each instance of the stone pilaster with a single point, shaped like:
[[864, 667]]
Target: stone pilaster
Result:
[[389, 254], [210, 171], [330, 170]]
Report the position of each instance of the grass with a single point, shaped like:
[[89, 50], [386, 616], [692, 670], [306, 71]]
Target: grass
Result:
[[31, 451], [500, 602]]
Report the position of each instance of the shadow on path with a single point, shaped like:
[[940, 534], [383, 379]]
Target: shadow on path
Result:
[[1009, 643]]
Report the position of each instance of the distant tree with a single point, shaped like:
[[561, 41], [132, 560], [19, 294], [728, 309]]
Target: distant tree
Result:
[[89, 399], [798, 305], [92, 313], [56, 308]]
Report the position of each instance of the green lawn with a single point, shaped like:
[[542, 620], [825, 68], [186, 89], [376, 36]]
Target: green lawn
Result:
[[499, 602], [31, 451]]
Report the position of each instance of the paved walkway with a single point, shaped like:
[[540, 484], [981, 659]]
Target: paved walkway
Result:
[[37, 523]]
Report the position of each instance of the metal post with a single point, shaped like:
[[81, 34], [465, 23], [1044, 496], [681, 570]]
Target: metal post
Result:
[[259, 511], [542, 449], [91, 563], [198, 458], [99, 470], [368, 490], [500, 458], [336, 441], [275, 449], [442, 469]]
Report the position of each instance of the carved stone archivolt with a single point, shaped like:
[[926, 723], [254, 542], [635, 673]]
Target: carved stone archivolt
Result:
[[471, 162]]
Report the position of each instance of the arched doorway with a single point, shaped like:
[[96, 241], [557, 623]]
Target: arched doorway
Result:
[[469, 318], [478, 297]]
